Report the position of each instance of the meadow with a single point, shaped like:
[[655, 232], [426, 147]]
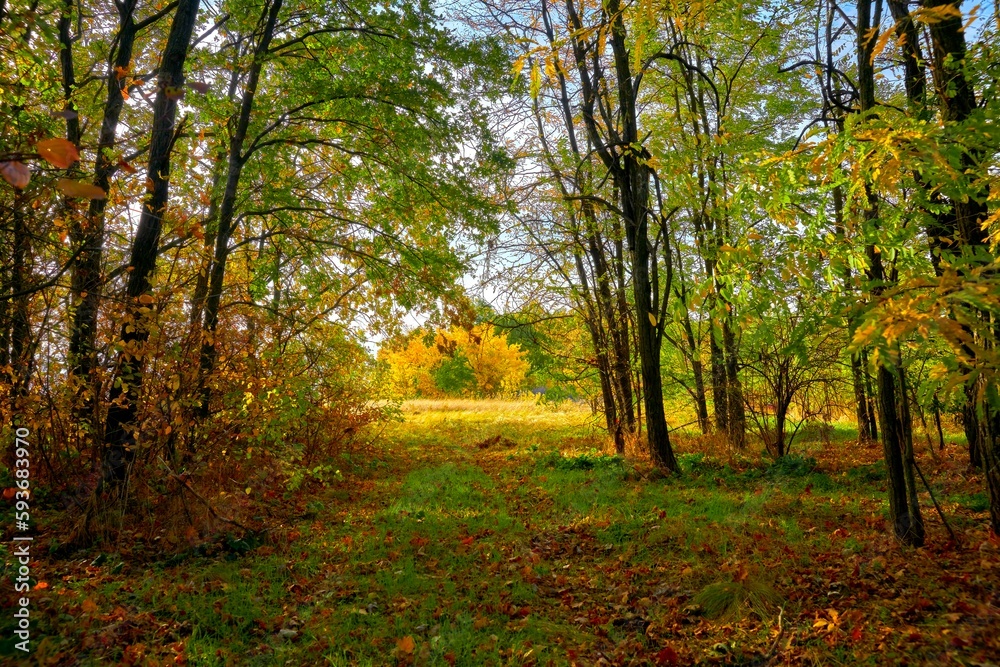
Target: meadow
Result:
[[504, 533]]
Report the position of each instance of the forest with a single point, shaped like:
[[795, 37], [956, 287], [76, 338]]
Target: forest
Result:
[[500, 332]]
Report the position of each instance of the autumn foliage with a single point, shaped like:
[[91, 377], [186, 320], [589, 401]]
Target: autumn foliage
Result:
[[455, 362]]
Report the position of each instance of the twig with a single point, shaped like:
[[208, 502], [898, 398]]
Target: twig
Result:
[[774, 645], [201, 499], [934, 500]]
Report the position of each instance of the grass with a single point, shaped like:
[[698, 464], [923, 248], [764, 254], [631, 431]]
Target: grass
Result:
[[545, 548]]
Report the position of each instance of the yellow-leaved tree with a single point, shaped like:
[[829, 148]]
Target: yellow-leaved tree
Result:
[[460, 362]]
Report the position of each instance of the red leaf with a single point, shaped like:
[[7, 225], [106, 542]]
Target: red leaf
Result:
[[15, 173], [125, 166], [469, 540], [666, 656], [58, 152]]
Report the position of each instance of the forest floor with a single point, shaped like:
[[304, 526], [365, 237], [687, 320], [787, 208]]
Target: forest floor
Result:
[[492, 533]]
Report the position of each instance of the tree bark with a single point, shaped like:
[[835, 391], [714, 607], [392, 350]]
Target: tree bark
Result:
[[87, 281], [897, 445], [631, 178], [227, 207], [120, 434]]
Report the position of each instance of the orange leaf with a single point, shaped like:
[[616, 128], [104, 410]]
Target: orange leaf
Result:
[[89, 606], [146, 299], [58, 152], [9, 493], [125, 166], [15, 173], [469, 540], [78, 189], [406, 644], [41, 585]]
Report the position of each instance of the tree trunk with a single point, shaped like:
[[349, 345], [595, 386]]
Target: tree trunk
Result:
[[701, 403], [20, 325], [227, 208], [897, 445], [89, 235], [734, 390], [631, 176], [120, 433], [720, 396]]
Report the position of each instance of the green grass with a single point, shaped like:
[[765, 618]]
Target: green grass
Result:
[[502, 556]]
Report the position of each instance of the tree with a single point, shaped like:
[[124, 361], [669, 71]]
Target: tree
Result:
[[120, 436]]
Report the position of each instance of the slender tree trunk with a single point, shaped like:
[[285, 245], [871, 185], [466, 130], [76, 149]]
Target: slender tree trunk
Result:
[[20, 325], [697, 369], [88, 234], [631, 177], [227, 208], [897, 445], [870, 399], [720, 396], [734, 389], [120, 433]]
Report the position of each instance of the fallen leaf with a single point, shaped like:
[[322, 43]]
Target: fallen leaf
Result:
[[58, 152], [666, 656], [78, 189], [406, 644], [41, 585], [89, 606]]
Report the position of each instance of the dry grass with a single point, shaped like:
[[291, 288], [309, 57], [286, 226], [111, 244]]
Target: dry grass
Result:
[[508, 406]]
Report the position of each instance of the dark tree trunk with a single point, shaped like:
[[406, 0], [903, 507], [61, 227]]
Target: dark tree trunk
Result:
[[897, 444], [864, 417], [869, 398], [21, 356], [734, 389], [720, 396], [631, 177], [697, 369], [87, 282], [121, 430], [227, 208]]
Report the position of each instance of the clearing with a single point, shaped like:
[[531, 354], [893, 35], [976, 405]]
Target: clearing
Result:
[[497, 533]]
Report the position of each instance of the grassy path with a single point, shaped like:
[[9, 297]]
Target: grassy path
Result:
[[496, 534]]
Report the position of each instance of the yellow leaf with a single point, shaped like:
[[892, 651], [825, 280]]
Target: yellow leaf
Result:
[[652, 319], [78, 189], [58, 152], [880, 45], [248, 490]]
